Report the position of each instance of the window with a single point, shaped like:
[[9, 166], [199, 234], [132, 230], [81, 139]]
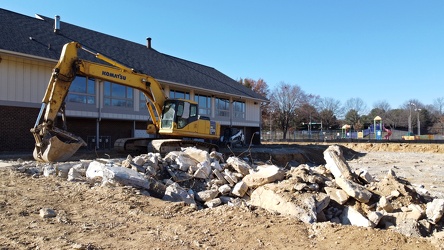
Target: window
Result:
[[117, 95], [82, 90], [239, 109], [142, 102], [179, 94], [204, 103], [222, 107]]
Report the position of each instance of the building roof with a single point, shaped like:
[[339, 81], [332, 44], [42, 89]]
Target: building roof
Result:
[[35, 36]]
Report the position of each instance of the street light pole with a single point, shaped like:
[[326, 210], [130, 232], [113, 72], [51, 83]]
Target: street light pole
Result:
[[410, 117], [418, 121]]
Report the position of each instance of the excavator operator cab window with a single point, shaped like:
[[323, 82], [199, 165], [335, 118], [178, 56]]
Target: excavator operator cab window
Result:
[[168, 115], [183, 114]]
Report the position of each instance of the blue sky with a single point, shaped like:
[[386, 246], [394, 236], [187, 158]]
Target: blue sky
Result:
[[375, 50]]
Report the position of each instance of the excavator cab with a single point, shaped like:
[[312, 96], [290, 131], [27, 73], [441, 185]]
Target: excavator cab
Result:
[[178, 111]]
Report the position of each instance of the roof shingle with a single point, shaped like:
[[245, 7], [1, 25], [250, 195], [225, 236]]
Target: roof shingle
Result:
[[36, 37]]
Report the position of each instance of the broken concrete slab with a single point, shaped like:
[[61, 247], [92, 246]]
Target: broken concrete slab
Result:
[[435, 210], [385, 204], [203, 171], [95, 169], [351, 216], [354, 190], [224, 189], [336, 163], [77, 173], [124, 176], [338, 195], [197, 154], [176, 193], [303, 209], [322, 201], [266, 174], [213, 202], [240, 189], [239, 165], [206, 195], [374, 217]]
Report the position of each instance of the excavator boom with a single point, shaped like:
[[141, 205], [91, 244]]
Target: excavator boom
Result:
[[170, 119]]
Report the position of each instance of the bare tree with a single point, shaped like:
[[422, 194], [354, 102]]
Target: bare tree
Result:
[[329, 109], [382, 105], [285, 99], [357, 104], [332, 105], [438, 103]]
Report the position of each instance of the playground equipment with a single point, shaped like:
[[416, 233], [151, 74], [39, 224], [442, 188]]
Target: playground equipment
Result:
[[389, 133], [345, 131], [378, 126], [377, 123]]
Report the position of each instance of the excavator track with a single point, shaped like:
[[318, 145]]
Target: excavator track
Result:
[[162, 146]]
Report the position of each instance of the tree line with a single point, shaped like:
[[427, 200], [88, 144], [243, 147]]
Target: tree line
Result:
[[290, 108]]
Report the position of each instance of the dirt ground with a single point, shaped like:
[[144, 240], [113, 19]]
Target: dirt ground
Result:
[[94, 217]]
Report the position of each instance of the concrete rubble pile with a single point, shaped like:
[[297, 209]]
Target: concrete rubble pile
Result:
[[330, 192]]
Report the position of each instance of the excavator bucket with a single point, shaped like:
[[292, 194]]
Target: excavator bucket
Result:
[[56, 150]]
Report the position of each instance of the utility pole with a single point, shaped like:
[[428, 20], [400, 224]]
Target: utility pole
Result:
[[410, 117], [418, 121]]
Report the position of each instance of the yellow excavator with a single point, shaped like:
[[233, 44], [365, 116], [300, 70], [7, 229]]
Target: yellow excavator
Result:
[[175, 122]]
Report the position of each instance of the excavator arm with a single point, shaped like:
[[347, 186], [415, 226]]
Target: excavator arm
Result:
[[54, 144]]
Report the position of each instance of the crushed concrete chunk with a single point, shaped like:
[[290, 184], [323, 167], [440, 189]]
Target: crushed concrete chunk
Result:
[[416, 212], [408, 227], [365, 175], [77, 173], [216, 166], [206, 195], [374, 217], [435, 210], [336, 163], [322, 201], [198, 154], [203, 171], [95, 169], [47, 213], [240, 189], [139, 160], [355, 190], [124, 176], [338, 195], [350, 216], [239, 165], [224, 189], [385, 204], [176, 193], [213, 203], [305, 209], [266, 174], [219, 176]]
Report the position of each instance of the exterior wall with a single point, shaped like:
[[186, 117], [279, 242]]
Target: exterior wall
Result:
[[23, 80], [15, 132], [23, 83]]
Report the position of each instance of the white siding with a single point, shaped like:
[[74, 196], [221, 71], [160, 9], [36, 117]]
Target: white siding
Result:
[[23, 80], [252, 112]]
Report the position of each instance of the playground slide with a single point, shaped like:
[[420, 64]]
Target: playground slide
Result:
[[389, 133]]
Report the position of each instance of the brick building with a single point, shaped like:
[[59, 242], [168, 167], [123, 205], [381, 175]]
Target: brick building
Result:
[[99, 111]]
